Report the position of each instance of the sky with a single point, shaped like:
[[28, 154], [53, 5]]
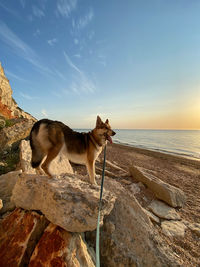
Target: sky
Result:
[[135, 62]]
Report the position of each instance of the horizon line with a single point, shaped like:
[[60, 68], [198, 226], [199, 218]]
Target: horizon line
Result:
[[143, 129]]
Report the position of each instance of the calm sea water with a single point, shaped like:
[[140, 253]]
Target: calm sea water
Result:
[[184, 143]]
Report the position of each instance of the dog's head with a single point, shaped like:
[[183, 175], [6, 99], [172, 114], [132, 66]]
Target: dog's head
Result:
[[103, 131]]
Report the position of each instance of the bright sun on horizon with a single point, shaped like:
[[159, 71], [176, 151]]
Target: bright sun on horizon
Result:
[[134, 62]]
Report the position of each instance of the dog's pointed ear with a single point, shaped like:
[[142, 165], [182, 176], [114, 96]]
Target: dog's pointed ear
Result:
[[107, 121], [99, 121]]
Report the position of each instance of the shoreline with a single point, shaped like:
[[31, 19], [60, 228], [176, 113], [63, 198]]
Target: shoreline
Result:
[[160, 157], [168, 153]]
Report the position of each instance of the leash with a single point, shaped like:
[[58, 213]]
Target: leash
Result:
[[99, 213]]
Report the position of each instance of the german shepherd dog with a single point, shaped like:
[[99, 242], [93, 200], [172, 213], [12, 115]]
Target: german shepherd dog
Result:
[[48, 137]]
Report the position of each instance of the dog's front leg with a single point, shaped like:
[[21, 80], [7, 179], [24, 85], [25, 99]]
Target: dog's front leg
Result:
[[91, 171]]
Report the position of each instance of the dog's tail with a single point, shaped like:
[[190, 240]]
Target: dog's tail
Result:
[[37, 153]]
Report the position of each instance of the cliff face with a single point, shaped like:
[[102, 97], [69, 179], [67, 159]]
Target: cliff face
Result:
[[8, 107]]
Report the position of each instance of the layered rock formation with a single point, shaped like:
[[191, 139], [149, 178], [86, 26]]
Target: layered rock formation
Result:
[[8, 107]]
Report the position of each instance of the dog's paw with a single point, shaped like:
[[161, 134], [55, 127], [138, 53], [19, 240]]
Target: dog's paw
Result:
[[93, 183]]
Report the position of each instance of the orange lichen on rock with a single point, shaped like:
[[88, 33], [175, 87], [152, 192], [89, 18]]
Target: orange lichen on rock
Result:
[[59, 248], [50, 248], [17, 232], [5, 111]]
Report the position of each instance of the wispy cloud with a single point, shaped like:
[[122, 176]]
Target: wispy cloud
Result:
[[85, 20], [60, 74], [82, 83], [28, 97], [65, 7], [55, 93], [9, 10], [76, 41], [37, 33], [71, 64], [52, 42], [13, 40], [10, 74], [77, 55], [91, 35], [37, 12], [102, 60], [22, 2], [20, 48], [42, 3], [44, 112]]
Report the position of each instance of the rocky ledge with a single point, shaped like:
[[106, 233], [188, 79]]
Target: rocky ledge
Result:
[[66, 200], [54, 221]]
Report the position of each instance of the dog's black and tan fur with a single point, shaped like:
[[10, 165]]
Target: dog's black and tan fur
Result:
[[48, 137]]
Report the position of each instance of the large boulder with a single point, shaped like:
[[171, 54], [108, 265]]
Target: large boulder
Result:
[[7, 183], [66, 201], [172, 195], [19, 233], [15, 133], [128, 238], [58, 247], [58, 166]]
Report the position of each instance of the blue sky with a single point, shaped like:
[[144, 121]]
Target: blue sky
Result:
[[134, 62]]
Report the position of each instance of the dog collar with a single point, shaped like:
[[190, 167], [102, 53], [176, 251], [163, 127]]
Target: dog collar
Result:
[[95, 143]]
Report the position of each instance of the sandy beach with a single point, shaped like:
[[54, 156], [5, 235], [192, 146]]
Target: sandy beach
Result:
[[178, 171]]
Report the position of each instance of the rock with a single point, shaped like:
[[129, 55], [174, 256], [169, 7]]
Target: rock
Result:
[[172, 195], [163, 211], [66, 201], [152, 217], [25, 157], [1, 204], [15, 133], [134, 188], [58, 247], [173, 228], [19, 233], [7, 182], [195, 227], [8, 107], [128, 238], [58, 166]]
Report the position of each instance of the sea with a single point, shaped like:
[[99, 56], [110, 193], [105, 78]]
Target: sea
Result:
[[185, 143]]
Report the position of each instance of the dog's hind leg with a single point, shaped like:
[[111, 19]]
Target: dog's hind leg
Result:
[[52, 153], [37, 157]]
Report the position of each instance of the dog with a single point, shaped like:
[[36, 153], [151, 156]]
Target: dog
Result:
[[48, 137]]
